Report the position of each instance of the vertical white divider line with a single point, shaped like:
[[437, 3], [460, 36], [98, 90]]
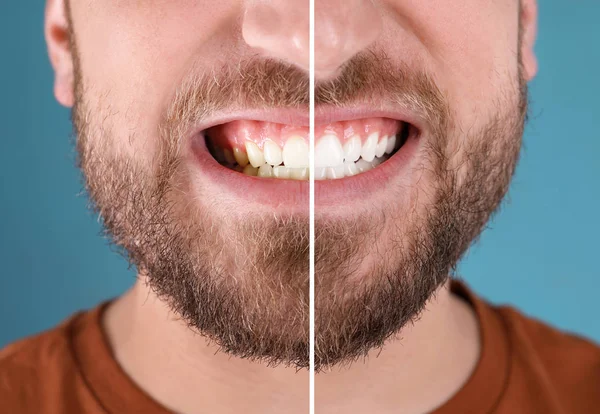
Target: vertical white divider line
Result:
[[311, 249]]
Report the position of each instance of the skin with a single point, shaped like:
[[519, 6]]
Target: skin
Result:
[[133, 55]]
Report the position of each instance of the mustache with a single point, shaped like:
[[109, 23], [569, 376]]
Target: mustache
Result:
[[263, 84]]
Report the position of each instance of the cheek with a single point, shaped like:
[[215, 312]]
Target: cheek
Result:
[[478, 58], [469, 46], [133, 54]]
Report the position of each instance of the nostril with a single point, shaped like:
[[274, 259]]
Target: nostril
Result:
[[342, 31], [278, 30]]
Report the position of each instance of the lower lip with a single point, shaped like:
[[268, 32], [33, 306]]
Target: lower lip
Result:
[[274, 192], [364, 185]]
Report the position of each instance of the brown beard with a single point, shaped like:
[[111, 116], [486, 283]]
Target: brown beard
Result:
[[248, 291], [467, 176], [245, 289]]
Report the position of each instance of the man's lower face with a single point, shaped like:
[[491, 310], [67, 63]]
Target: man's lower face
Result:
[[215, 213]]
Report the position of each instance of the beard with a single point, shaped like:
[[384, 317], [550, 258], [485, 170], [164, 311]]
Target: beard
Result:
[[376, 270], [243, 280]]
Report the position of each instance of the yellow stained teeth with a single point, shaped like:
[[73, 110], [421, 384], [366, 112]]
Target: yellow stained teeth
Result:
[[281, 172], [332, 159], [295, 153], [255, 155], [229, 158], [250, 170], [240, 157], [299, 173], [265, 171], [272, 153]]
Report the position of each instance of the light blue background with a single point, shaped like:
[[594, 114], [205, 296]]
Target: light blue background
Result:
[[540, 253]]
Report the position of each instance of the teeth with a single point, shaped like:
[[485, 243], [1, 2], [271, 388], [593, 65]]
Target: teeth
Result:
[[329, 152], [295, 153], [391, 144], [320, 173], [352, 149], [240, 157], [281, 172], [335, 172], [228, 157], [380, 149], [250, 170], [363, 165], [272, 153], [350, 169], [265, 171], [299, 173], [255, 155], [369, 147], [332, 160]]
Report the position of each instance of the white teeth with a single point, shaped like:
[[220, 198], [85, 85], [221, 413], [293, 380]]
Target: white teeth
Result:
[[295, 153], [250, 170], [335, 172], [352, 149], [272, 153], [391, 144], [369, 147], [363, 165], [329, 152], [320, 173], [380, 149], [281, 172], [255, 155], [332, 160], [299, 173], [240, 157], [350, 169], [265, 171]]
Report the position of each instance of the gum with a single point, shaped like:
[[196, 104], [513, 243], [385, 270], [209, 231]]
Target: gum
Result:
[[234, 134]]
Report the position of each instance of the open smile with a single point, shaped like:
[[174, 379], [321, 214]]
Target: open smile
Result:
[[271, 159], [270, 150]]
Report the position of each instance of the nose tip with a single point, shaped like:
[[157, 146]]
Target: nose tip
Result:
[[342, 29], [279, 29]]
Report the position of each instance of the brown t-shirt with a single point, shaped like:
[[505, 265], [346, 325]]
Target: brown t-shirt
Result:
[[525, 367]]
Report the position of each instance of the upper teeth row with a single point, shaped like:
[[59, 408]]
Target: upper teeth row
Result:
[[329, 152]]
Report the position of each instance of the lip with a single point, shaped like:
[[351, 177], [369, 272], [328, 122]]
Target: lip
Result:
[[292, 194], [295, 117], [328, 114], [272, 192], [360, 186]]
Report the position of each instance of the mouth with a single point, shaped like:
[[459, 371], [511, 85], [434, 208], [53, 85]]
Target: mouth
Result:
[[263, 159], [343, 149]]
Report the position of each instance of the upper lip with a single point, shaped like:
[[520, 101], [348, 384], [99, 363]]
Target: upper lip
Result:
[[323, 115], [328, 114], [287, 116]]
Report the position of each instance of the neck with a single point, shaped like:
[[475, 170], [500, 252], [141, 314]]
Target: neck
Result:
[[416, 372], [183, 370]]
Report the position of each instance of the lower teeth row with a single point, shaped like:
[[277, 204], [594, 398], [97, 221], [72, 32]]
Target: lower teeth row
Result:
[[239, 161], [328, 173]]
